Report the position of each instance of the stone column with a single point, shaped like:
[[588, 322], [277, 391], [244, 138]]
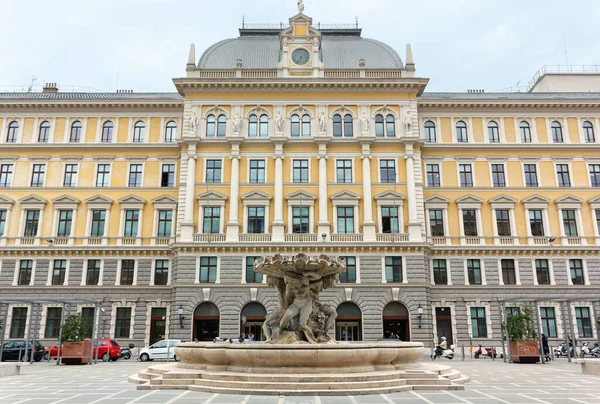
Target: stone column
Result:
[[323, 225], [233, 225], [369, 229], [414, 227], [187, 226], [278, 225]]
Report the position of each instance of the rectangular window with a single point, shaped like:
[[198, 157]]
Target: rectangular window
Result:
[[251, 276], [576, 267], [208, 269], [498, 176], [59, 271], [93, 272], [542, 272], [167, 175], [38, 174], [131, 223], [569, 222], [503, 222], [525, 130], [256, 220], [536, 223], [466, 175], [103, 175], [65, 220], [584, 322], [478, 322], [436, 222], [123, 322], [562, 173], [161, 272], [531, 180], [98, 222], [387, 170], [595, 175], [213, 171], [493, 132], [257, 171], [393, 270], [512, 311], [3, 214], [474, 271], [300, 174], [343, 171], [87, 317], [300, 220], [548, 322], [135, 175], [127, 272], [32, 221], [18, 322], [165, 223], [509, 274], [469, 217], [389, 220], [25, 270], [440, 272], [597, 212], [350, 275], [211, 220], [6, 173], [70, 179], [345, 219], [53, 316], [433, 175]]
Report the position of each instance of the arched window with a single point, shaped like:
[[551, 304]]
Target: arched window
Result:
[[258, 127], [138, 132], [13, 132], [430, 136], [379, 126], [348, 130], [300, 126], [385, 127], [390, 126], [337, 125], [263, 129], [107, 132], [461, 132], [253, 126], [210, 126], [525, 130], [44, 134], [295, 129], [588, 131], [170, 132], [305, 125], [75, 132], [493, 133], [221, 126], [557, 135]]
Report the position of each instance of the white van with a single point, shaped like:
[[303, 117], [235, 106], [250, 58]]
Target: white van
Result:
[[159, 350]]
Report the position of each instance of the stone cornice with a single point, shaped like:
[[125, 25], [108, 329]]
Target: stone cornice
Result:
[[474, 105], [62, 105]]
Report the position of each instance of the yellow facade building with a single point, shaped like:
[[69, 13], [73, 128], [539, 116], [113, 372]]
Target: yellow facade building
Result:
[[446, 207]]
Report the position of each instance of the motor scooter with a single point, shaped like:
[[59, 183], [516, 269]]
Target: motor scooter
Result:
[[561, 351], [125, 353], [489, 352], [447, 353], [595, 352], [585, 350]]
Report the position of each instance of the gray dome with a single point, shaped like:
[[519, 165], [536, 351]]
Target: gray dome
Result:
[[263, 52]]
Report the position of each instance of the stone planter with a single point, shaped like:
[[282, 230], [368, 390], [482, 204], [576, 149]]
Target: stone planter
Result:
[[76, 353], [524, 351]]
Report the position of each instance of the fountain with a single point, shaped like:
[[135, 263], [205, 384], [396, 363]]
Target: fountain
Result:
[[299, 357]]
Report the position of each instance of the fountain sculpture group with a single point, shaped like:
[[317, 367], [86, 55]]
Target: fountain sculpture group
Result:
[[299, 357]]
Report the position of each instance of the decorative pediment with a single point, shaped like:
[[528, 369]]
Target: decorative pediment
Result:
[[211, 196], [65, 200], [98, 199], [164, 199], [469, 199], [569, 199], [437, 199], [389, 196], [345, 195], [535, 199], [595, 202], [256, 196], [5, 200], [32, 200], [132, 200], [300, 196], [502, 199]]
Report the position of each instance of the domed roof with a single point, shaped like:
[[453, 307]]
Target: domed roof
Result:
[[264, 52]]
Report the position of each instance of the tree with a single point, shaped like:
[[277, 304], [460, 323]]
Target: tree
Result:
[[519, 326], [75, 329]]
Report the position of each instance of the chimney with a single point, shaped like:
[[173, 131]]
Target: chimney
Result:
[[410, 62], [50, 88]]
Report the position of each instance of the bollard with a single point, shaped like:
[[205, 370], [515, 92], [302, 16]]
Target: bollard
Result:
[[463, 352], [168, 351], [493, 353]]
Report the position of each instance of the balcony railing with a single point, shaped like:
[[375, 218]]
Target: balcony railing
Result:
[[162, 241], [209, 238], [347, 238], [96, 240], [301, 238], [129, 240], [29, 240], [59, 241], [255, 238], [392, 237], [472, 240]]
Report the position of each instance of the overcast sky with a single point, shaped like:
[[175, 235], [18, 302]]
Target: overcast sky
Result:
[[142, 44]]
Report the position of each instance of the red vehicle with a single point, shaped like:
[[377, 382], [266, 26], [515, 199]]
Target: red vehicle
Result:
[[105, 349], [491, 352]]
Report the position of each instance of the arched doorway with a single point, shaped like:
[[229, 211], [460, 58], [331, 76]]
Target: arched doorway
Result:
[[396, 321], [252, 319], [206, 322], [348, 324]]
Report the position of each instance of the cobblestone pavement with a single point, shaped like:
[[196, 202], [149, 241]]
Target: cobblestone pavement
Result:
[[492, 383]]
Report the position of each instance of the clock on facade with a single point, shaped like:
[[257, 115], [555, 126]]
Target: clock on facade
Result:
[[300, 56]]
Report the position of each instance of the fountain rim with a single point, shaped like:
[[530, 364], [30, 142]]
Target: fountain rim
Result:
[[266, 346]]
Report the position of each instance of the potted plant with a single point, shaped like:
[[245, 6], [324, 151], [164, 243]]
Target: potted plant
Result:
[[75, 348], [524, 347]]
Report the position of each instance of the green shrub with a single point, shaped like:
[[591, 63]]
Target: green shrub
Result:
[[76, 329], [519, 327]]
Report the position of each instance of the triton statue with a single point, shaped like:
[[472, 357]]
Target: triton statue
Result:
[[299, 316]]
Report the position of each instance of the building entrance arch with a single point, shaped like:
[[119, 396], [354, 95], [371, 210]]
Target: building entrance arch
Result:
[[348, 324], [252, 318], [396, 321], [206, 322]]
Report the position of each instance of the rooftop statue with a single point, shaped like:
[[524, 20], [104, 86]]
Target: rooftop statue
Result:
[[300, 6], [299, 316]]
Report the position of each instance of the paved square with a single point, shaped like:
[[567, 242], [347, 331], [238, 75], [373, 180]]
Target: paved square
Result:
[[491, 383]]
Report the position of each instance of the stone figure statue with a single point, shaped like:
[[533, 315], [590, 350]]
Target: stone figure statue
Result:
[[364, 120], [323, 122], [407, 122], [237, 123], [300, 6], [278, 118], [193, 122], [300, 317]]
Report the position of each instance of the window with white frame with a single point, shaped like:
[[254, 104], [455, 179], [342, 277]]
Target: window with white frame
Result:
[[548, 320], [536, 222], [557, 133], [165, 223], [503, 222], [474, 272], [98, 217], [216, 126], [213, 171], [433, 175], [300, 127], [127, 272], [170, 132], [3, 218], [436, 222], [12, 133], [300, 171], [461, 132], [562, 175], [18, 323], [135, 175], [107, 132], [509, 272], [345, 219], [211, 220], [92, 276], [594, 175], [387, 170], [208, 270], [123, 322], [343, 170], [161, 272], [542, 272], [350, 275], [465, 172], [251, 276], [256, 219], [588, 132], [498, 176], [44, 132], [32, 221], [390, 222], [440, 271], [59, 271], [576, 272], [258, 126], [6, 175], [257, 172], [385, 126], [38, 174], [478, 322], [569, 220], [430, 135], [130, 228], [25, 275], [343, 127], [584, 322], [300, 219], [530, 172], [103, 175], [139, 132], [70, 178], [75, 135], [493, 132], [167, 175], [53, 320], [469, 219], [65, 221], [525, 131], [394, 272]]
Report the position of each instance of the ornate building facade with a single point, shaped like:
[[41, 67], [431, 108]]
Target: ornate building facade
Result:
[[446, 207]]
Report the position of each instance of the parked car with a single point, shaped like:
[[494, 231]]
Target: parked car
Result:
[[106, 349], [159, 350], [11, 349]]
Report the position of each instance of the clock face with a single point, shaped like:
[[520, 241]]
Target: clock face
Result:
[[300, 56]]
